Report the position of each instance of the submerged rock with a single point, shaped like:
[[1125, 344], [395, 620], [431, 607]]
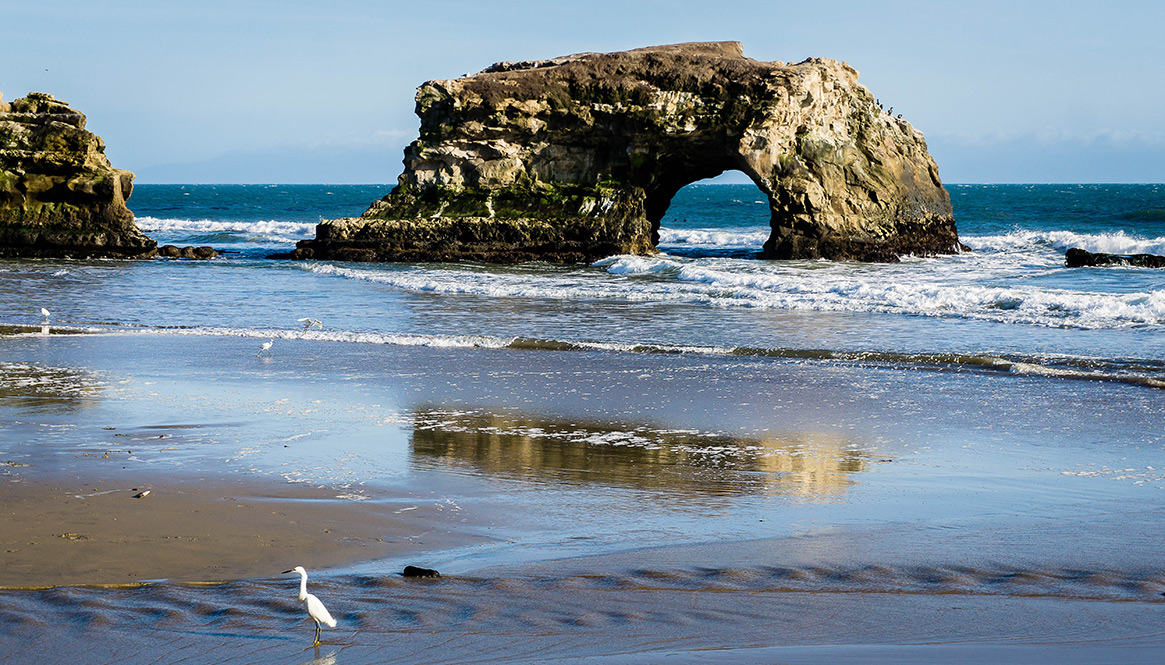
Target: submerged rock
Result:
[[578, 157], [1077, 258], [417, 571], [175, 252], [59, 196]]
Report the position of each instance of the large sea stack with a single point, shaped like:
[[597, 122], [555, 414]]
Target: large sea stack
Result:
[[578, 157], [59, 196]]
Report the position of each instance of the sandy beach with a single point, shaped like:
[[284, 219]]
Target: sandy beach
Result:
[[71, 532], [634, 509]]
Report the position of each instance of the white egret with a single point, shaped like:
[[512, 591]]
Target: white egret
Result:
[[309, 323], [266, 347], [45, 313], [315, 609]]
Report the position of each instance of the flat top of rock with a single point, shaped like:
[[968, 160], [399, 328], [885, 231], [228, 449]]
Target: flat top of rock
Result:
[[689, 66], [705, 49]]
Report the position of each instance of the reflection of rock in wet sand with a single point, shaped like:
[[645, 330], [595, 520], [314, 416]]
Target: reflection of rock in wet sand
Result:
[[36, 386], [817, 465], [812, 466]]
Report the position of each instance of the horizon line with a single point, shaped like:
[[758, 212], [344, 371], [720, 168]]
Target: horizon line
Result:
[[697, 183]]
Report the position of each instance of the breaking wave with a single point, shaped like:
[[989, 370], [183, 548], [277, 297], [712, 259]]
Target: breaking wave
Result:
[[220, 230], [714, 237], [802, 286], [1118, 242]]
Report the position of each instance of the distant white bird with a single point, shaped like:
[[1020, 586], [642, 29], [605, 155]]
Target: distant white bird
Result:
[[266, 347], [45, 313], [315, 609], [308, 323]]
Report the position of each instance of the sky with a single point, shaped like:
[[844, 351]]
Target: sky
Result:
[[298, 91]]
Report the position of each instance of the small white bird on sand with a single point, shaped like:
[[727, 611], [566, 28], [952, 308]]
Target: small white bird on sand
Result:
[[45, 313], [309, 323], [315, 609], [266, 347]]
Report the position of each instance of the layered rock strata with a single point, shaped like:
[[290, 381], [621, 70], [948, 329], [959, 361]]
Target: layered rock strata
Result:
[[578, 157], [59, 196]]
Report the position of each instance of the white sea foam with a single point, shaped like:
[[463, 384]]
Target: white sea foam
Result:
[[470, 282], [394, 339], [912, 290], [1108, 243], [635, 265], [262, 227], [1021, 304], [714, 237]]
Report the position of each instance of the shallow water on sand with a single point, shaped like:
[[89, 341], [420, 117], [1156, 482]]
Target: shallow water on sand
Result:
[[582, 453]]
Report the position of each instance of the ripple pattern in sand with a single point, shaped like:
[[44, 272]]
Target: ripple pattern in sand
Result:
[[394, 603], [391, 619]]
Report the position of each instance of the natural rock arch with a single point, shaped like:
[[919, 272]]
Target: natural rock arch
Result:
[[578, 157]]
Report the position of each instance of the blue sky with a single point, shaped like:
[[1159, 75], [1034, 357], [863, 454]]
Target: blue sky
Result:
[[311, 92]]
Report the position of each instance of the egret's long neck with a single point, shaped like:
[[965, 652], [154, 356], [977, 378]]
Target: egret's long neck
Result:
[[302, 587]]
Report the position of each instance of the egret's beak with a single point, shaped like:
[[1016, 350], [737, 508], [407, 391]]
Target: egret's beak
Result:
[[287, 571]]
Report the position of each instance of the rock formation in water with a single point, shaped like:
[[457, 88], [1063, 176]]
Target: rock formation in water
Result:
[[578, 157], [59, 196], [1077, 258], [175, 252]]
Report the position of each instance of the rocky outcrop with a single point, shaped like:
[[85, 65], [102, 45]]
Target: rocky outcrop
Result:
[[578, 157], [175, 252], [1077, 258], [59, 196]]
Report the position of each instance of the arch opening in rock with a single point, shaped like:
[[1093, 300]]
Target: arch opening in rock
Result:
[[716, 217]]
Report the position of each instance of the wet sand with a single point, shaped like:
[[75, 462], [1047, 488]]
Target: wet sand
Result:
[[630, 510], [621, 618], [69, 533]]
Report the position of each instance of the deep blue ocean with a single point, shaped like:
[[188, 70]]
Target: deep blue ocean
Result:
[[1010, 305]]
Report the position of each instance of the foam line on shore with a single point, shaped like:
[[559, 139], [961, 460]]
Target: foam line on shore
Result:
[[799, 286], [1140, 372]]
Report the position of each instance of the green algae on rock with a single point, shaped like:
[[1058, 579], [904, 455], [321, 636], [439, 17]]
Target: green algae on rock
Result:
[[578, 157], [59, 196]]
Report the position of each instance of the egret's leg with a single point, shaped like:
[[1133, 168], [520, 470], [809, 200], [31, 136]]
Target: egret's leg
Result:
[[317, 633]]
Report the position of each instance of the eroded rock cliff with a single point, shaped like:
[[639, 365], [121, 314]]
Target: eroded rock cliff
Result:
[[578, 157], [59, 196]]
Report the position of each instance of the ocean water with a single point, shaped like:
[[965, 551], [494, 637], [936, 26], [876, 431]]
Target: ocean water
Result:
[[1008, 305]]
